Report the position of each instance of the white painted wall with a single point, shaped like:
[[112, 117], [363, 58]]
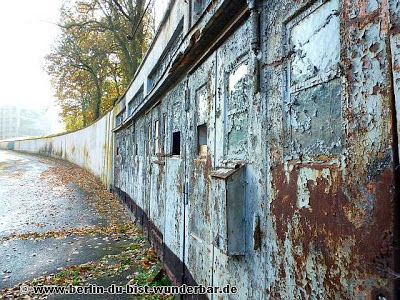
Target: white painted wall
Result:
[[90, 148]]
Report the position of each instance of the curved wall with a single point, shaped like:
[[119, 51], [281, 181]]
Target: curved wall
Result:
[[90, 148]]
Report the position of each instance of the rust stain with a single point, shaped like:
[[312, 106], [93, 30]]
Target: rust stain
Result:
[[335, 217]]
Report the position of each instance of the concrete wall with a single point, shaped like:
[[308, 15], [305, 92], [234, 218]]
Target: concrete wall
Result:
[[264, 154], [90, 148]]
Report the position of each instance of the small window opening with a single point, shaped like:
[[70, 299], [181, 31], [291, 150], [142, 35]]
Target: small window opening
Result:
[[202, 140], [117, 150], [176, 143], [156, 137]]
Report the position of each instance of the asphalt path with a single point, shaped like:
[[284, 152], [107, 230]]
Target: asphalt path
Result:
[[30, 204]]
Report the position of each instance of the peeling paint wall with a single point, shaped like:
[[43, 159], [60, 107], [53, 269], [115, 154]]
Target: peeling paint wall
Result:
[[257, 147], [394, 15], [332, 187]]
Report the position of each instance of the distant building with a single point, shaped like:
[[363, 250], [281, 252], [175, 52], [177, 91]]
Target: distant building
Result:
[[19, 122], [9, 122]]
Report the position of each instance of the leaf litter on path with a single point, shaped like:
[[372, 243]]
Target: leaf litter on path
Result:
[[138, 257]]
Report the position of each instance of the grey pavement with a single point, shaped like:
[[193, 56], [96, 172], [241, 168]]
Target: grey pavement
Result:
[[29, 204], [30, 259]]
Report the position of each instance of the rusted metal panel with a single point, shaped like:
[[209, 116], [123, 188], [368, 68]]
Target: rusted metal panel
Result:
[[315, 119], [314, 141], [313, 101], [315, 28], [394, 15], [236, 110], [233, 100], [325, 203]]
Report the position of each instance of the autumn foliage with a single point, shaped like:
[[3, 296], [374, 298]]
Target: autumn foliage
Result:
[[97, 53]]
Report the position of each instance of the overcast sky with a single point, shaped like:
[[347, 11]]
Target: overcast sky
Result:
[[26, 34], [27, 31]]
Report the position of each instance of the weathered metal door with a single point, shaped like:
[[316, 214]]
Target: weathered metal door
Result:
[[200, 98], [140, 159], [148, 165], [237, 189], [175, 181], [151, 194], [156, 178]]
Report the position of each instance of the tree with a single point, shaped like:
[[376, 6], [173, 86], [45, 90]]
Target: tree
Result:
[[98, 52]]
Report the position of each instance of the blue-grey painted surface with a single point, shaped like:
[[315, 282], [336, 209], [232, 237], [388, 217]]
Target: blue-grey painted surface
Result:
[[291, 193]]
